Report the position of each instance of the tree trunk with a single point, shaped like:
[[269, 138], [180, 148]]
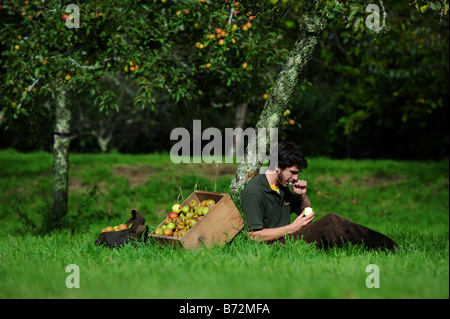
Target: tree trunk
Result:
[[282, 92], [61, 144], [239, 122]]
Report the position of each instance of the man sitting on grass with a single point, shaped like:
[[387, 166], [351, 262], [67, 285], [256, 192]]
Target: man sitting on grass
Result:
[[267, 203]]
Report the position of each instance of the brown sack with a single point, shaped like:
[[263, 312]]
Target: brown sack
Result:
[[136, 231]]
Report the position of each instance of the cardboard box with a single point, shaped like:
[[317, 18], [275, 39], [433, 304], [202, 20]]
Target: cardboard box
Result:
[[217, 227]]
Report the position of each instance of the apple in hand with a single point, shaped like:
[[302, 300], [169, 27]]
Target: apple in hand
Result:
[[307, 211]]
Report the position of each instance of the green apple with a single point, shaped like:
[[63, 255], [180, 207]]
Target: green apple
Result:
[[177, 208], [159, 231], [186, 209], [205, 210], [189, 215], [192, 223], [171, 226]]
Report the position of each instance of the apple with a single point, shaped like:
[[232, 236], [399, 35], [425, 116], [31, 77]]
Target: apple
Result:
[[182, 232], [204, 203], [116, 228], [192, 222], [68, 77], [159, 231], [265, 96], [177, 220], [221, 42], [291, 121], [164, 227], [123, 226], [171, 226], [168, 232], [108, 229], [193, 203], [177, 208], [244, 65], [186, 209], [189, 215], [173, 215], [205, 210], [187, 220], [181, 226], [199, 211], [307, 211], [64, 17]]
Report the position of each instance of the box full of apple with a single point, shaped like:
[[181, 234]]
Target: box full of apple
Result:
[[204, 218]]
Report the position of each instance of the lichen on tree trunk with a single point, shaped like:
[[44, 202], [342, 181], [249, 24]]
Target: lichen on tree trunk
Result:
[[282, 92], [61, 145]]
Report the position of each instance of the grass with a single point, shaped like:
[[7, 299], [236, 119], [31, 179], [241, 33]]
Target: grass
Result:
[[405, 200]]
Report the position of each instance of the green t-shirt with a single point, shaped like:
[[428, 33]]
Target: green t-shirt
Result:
[[264, 207]]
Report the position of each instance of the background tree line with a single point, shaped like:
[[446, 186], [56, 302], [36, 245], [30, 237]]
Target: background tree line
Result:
[[367, 94]]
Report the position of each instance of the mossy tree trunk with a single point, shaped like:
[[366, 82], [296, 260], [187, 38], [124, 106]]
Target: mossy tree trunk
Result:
[[61, 145], [282, 92]]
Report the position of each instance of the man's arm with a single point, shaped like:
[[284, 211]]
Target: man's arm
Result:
[[304, 202], [269, 234]]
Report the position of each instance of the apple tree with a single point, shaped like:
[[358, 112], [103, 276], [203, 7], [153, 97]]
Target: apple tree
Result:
[[314, 18], [52, 50]]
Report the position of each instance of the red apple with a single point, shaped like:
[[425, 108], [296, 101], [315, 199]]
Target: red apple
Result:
[[173, 215]]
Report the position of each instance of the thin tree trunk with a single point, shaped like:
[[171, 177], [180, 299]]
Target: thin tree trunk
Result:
[[282, 92], [61, 157], [239, 122]]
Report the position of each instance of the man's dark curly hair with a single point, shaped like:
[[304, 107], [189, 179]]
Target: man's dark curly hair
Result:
[[288, 155]]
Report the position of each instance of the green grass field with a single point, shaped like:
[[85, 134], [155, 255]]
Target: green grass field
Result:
[[408, 201]]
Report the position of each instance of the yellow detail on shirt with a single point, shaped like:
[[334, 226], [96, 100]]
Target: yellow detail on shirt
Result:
[[275, 188]]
